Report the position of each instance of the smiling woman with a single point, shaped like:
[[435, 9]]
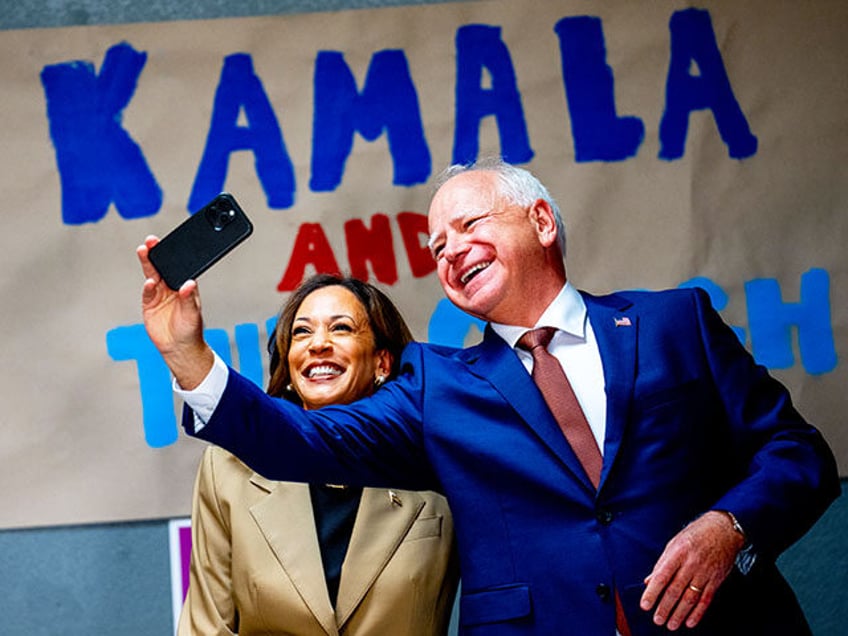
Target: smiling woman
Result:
[[347, 326], [268, 556], [333, 358]]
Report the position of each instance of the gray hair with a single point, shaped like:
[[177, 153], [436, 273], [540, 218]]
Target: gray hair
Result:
[[517, 185]]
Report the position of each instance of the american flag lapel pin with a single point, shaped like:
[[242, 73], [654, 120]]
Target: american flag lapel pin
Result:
[[624, 321]]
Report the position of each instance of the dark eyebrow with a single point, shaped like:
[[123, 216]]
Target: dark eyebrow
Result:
[[333, 317]]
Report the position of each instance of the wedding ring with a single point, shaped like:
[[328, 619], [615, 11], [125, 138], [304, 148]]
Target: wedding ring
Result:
[[695, 589]]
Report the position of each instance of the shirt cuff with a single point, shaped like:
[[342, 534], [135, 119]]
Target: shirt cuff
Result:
[[745, 559], [205, 397]]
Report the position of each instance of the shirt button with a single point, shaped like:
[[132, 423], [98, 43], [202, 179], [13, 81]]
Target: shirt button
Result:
[[604, 517], [603, 592]]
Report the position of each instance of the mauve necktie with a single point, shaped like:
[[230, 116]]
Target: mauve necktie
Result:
[[550, 378], [559, 396]]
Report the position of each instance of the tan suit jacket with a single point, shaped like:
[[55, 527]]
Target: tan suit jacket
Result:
[[256, 565]]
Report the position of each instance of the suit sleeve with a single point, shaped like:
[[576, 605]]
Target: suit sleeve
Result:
[[209, 607], [377, 441], [788, 474]]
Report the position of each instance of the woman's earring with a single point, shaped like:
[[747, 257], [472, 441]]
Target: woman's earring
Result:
[[379, 380], [289, 388]]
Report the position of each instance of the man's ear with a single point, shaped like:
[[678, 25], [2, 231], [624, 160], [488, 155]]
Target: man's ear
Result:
[[542, 218]]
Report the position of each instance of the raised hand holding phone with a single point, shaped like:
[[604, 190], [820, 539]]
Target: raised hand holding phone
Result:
[[170, 308], [174, 322]]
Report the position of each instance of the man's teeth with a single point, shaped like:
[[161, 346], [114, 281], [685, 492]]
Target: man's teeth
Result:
[[323, 370], [471, 272]]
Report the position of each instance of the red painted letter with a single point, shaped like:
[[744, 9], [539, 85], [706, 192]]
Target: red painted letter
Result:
[[310, 246], [374, 246]]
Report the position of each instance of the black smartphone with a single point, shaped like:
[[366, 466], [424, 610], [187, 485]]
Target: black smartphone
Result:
[[200, 241]]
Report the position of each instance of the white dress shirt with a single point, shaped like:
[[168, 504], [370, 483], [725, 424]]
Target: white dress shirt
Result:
[[575, 347]]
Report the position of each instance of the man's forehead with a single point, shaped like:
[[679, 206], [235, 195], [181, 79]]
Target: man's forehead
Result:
[[456, 201]]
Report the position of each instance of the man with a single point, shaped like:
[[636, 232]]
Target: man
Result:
[[708, 473]]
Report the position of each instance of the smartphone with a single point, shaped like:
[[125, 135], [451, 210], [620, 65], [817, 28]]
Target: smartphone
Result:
[[200, 241]]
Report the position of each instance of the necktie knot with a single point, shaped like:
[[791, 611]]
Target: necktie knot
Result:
[[536, 338]]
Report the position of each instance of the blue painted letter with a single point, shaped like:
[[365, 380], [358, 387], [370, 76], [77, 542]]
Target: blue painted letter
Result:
[[249, 352], [388, 102], [98, 161], [154, 378], [240, 89], [478, 48], [450, 326], [771, 320], [599, 134], [693, 43]]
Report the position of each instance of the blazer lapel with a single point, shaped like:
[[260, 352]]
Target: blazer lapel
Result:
[[369, 552], [495, 362], [616, 327], [285, 519]]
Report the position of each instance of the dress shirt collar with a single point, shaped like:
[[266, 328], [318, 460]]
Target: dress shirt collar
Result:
[[567, 313]]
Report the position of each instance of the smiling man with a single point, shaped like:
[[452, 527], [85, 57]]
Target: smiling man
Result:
[[643, 476], [497, 255]]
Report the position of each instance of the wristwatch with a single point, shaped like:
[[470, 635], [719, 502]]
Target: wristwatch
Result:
[[736, 525], [746, 556]]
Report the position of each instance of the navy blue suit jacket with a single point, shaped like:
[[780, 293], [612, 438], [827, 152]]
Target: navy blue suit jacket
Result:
[[692, 424]]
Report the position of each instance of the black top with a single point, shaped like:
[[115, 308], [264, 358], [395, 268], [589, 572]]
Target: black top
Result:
[[335, 509]]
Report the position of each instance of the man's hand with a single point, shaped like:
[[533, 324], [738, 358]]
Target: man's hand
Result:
[[174, 323], [690, 570]]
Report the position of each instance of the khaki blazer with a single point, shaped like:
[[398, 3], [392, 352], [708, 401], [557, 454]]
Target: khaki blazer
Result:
[[256, 565]]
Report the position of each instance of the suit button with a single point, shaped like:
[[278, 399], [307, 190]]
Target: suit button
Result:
[[604, 517], [603, 591]]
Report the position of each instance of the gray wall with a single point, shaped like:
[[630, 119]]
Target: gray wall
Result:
[[115, 578], [26, 14]]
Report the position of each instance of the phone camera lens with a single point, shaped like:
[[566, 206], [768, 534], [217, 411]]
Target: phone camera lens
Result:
[[221, 216]]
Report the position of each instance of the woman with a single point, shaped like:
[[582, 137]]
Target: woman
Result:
[[287, 558]]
